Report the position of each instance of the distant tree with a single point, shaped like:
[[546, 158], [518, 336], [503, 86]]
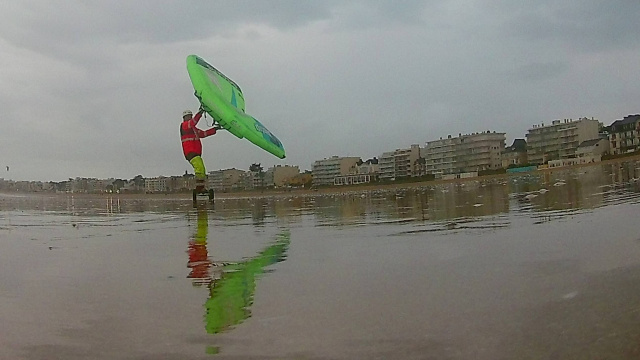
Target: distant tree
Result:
[[118, 184], [256, 168], [138, 181]]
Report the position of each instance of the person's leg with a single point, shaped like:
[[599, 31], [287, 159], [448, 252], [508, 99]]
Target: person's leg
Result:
[[200, 171]]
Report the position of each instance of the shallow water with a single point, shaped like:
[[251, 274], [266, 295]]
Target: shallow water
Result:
[[537, 266]]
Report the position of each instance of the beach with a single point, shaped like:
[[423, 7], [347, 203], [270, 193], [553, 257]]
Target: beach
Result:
[[542, 265]]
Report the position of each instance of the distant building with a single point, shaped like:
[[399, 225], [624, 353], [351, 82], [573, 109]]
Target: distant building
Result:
[[440, 156], [303, 179], [563, 162], [279, 175], [156, 185], [559, 140], [419, 166], [186, 182], [247, 180], [464, 154], [399, 163], [516, 154], [363, 173], [592, 150], [89, 185], [325, 171], [386, 166], [624, 135], [226, 180], [371, 166], [480, 151], [257, 179]]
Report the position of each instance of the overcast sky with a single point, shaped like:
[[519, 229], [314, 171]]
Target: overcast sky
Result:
[[97, 88]]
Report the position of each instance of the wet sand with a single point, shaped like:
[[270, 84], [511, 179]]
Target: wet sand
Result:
[[543, 266]]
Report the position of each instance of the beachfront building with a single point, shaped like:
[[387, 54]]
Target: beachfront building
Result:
[[592, 150], [400, 163], [89, 185], [588, 152], [363, 173], [405, 161], [303, 179], [480, 151], [279, 175], [464, 154], [25, 186], [325, 171], [559, 140], [515, 155], [255, 179], [440, 156], [624, 135], [226, 180], [419, 166], [181, 183], [156, 184], [386, 166]]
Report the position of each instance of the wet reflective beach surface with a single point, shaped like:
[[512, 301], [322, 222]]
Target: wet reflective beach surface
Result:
[[543, 265]]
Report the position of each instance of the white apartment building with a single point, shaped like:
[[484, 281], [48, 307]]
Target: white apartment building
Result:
[[228, 179], [480, 151], [386, 166], [560, 139], [158, 184], [325, 171], [399, 163], [465, 153], [364, 173], [405, 161], [440, 156]]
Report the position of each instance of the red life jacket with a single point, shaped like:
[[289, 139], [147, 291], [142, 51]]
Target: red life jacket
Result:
[[191, 145], [191, 135]]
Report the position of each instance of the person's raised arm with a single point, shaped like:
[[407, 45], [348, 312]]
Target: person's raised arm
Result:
[[205, 133], [196, 118]]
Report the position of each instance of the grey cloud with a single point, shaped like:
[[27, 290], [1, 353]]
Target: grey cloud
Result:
[[93, 33], [587, 26], [165, 21], [539, 71]]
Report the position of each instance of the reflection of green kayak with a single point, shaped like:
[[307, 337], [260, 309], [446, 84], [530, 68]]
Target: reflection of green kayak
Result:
[[232, 294], [223, 100]]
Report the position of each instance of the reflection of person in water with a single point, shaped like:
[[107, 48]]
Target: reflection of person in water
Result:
[[199, 262], [231, 285], [232, 293]]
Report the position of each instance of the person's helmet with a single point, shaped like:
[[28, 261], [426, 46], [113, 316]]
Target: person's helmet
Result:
[[186, 112]]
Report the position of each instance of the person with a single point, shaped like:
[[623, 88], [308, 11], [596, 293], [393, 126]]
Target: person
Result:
[[190, 136]]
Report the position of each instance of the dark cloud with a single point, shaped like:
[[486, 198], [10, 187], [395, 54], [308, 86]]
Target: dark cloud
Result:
[[151, 21]]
